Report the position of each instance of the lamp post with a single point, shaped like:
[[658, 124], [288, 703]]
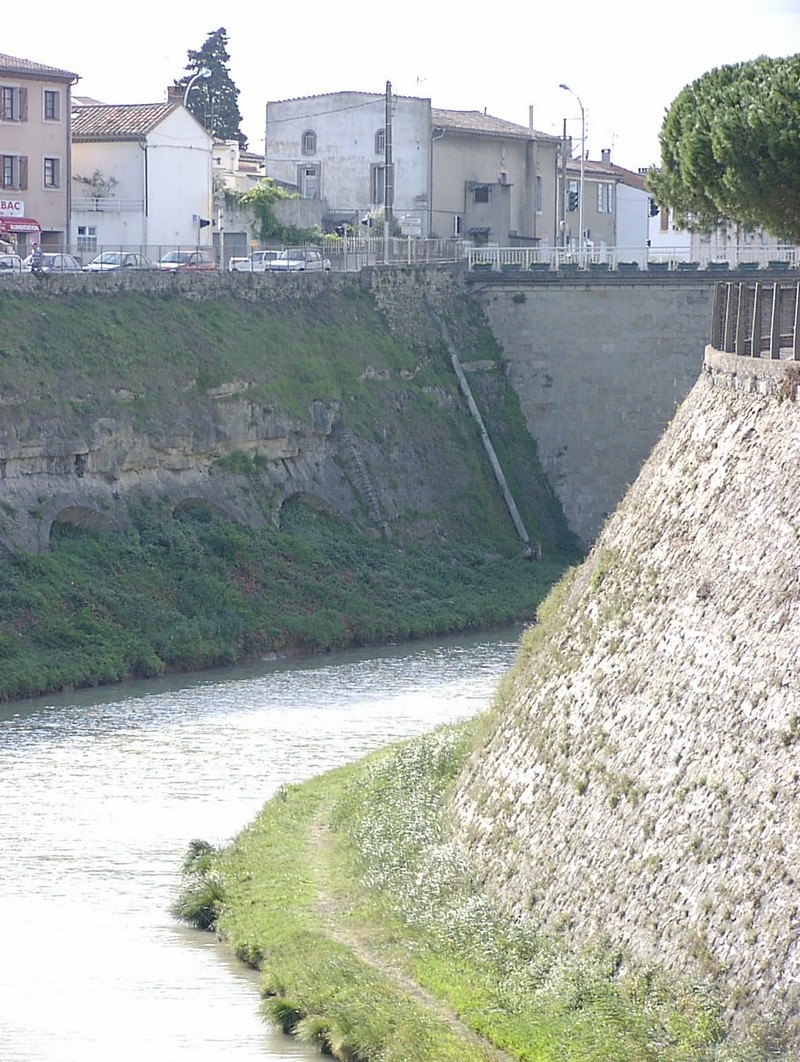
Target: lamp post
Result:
[[203, 72], [583, 153]]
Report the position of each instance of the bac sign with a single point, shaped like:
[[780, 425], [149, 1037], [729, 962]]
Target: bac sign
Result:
[[12, 208]]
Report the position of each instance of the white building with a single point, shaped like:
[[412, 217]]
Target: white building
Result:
[[141, 178], [332, 147]]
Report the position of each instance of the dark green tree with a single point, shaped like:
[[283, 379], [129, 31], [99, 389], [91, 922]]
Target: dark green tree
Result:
[[730, 149], [214, 101]]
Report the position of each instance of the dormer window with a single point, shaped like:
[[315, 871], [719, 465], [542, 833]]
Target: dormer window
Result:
[[309, 142], [380, 142]]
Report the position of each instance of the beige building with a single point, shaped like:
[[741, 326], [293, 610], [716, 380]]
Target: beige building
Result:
[[492, 180], [35, 174]]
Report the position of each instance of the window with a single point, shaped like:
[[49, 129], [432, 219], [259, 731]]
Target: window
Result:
[[605, 198], [308, 143], [52, 105], [539, 199], [380, 142], [480, 194], [13, 104], [87, 238], [458, 222], [14, 171], [309, 182], [378, 184], [52, 173]]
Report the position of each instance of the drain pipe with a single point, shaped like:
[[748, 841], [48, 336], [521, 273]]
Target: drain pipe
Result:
[[487, 442]]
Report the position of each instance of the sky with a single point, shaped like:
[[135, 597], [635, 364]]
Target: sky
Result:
[[623, 60]]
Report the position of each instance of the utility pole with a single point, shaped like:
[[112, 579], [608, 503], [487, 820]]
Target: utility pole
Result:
[[388, 174]]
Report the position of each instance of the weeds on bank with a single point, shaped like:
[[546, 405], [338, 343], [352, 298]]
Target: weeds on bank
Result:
[[301, 904], [200, 591]]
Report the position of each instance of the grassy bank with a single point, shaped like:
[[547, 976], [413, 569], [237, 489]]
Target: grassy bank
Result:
[[376, 941], [197, 591]]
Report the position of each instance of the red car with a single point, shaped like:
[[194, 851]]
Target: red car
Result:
[[187, 261]]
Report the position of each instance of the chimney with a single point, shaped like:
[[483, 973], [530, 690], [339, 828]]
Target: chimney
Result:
[[174, 94], [606, 156]]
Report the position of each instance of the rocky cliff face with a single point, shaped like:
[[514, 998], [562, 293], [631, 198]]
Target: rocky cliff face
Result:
[[641, 779], [239, 391]]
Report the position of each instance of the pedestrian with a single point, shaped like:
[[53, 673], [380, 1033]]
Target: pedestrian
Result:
[[36, 259]]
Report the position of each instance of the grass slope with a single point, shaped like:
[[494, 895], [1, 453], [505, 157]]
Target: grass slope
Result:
[[199, 591], [376, 941], [194, 591]]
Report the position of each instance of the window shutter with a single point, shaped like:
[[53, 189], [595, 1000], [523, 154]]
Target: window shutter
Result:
[[23, 105], [23, 172]]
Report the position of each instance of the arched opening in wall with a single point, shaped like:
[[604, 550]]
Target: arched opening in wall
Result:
[[200, 511], [80, 520], [297, 508]]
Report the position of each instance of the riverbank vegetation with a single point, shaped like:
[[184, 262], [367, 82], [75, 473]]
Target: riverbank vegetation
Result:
[[197, 591], [375, 938]]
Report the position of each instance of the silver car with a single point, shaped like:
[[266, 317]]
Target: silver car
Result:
[[299, 259], [109, 261], [57, 262]]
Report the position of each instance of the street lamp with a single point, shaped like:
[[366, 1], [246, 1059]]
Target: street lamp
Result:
[[203, 72], [583, 153]]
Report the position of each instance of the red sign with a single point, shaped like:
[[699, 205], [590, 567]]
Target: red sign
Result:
[[19, 225]]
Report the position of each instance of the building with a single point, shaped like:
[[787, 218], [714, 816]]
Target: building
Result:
[[141, 175], [461, 174], [35, 178], [333, 148], [493, 181], [616, 209]]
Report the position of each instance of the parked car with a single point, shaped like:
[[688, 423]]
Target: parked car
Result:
[[187, 261], [257, 262], [297, 259], [113, 260], [10, 263], [56, 262]]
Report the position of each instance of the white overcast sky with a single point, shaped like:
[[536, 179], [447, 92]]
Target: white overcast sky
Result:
[[626, 60]]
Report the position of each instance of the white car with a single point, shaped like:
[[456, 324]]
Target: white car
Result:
[[299, 259], [10, 263], [257, 262]]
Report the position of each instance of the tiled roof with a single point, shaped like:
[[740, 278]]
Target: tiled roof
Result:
[[110, 121], [593, 168], [479, 122], [10, 64]]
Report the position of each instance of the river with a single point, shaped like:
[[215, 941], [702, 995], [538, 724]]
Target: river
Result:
[[100, 793]]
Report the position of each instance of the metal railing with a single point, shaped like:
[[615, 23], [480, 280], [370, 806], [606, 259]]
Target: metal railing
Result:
[[86, 204], [757, 319], [629, 260]]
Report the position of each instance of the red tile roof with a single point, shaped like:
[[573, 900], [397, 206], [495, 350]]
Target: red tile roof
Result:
[[110, 121]]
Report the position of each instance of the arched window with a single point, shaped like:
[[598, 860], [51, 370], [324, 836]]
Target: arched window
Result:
[[380, 142], [309, 142]]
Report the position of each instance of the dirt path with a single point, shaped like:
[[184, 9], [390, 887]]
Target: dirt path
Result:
[[318, 839]]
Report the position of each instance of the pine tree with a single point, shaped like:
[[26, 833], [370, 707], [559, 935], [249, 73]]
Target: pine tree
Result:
[[214, 100]]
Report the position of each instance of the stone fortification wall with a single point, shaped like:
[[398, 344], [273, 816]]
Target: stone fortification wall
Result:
[[599, 369], [646, 761]]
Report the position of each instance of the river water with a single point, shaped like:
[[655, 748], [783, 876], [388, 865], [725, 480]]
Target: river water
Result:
[[100, 794]]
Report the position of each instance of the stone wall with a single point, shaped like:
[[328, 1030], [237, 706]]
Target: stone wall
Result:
[[600, 369], [645, 763]]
